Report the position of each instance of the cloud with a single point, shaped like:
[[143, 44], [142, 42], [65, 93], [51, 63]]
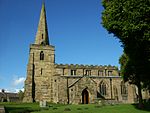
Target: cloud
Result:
[[7, 90], [17, 90], [18, 81], [14, 84], [12, 90]]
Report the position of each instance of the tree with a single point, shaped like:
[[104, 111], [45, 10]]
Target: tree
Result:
[[129, 73], [129, 21], [21, 95]]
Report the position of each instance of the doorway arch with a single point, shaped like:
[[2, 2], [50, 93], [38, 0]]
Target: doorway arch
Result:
[[85, 97]]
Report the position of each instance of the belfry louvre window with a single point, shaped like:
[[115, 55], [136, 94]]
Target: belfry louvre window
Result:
[[73, 72], [41, 55]]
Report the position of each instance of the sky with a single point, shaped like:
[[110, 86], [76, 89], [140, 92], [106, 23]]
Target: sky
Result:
[[74, 28]]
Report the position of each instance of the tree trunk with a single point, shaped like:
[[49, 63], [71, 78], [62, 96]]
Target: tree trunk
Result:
[[140, 95]]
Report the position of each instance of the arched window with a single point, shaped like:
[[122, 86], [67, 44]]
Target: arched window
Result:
[[41, 55], [123, 88], [41, 71], [73, 72], [88, 72], [100, 72], [42, 36], [115, 93], [102, 87]]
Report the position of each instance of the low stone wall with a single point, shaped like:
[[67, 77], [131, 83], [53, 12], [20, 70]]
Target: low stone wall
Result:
[[107, 101]]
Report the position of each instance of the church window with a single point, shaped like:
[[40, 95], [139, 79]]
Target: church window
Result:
[[88, 72], [115, 93], [124, 92], [41, 55], [109, 73], [100, 72], [42, 36], [119, 74], [41, 71], [73, 72], [123, 88], [63, 71], [105, 72], [102, 89]]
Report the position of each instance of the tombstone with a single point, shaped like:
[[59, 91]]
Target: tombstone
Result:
[[43, 103], [100, 102]]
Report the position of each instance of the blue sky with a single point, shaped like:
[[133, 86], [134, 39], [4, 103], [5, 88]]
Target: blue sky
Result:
[[74, 28]]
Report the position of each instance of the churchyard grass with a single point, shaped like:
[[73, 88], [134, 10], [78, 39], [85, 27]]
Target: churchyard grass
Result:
[[59, 108], [93, 108], [20, 107]]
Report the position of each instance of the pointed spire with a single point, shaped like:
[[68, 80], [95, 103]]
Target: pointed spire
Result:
[[42, 32]]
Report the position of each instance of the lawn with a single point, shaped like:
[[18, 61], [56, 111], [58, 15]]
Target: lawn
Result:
[[58, 108], [92, 108], [20, 107]]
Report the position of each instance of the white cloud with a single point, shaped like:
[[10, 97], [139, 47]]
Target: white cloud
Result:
[[14, 84], [18, 81], [12, 90], [17, 90]]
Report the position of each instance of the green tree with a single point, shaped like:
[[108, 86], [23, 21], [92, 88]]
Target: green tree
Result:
[[21, 95], [129, 21], [129, 73]]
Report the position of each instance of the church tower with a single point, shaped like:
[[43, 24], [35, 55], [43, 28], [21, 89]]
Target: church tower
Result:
[[40, 68]]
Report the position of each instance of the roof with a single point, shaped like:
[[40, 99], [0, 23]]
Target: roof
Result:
[[8, 94]]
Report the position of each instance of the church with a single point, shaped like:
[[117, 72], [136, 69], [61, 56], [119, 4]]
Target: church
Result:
[[69, 83]]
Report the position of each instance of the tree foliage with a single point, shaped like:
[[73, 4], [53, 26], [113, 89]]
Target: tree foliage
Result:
[[127, 18], [21, 95], [128, 70], [130, 74], [129, 21]]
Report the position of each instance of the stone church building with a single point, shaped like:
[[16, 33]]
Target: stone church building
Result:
[[72, 84]]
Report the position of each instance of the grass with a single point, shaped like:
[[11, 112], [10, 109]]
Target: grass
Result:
[[92, 108], [20, 107], [59, 108]]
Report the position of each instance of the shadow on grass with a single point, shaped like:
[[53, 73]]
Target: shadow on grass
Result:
[[19, 109], [146, 106]]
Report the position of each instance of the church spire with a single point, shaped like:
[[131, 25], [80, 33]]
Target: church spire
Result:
[[42, 32]]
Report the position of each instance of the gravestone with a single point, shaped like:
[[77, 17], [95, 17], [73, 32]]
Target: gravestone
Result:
[[43, 103]]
